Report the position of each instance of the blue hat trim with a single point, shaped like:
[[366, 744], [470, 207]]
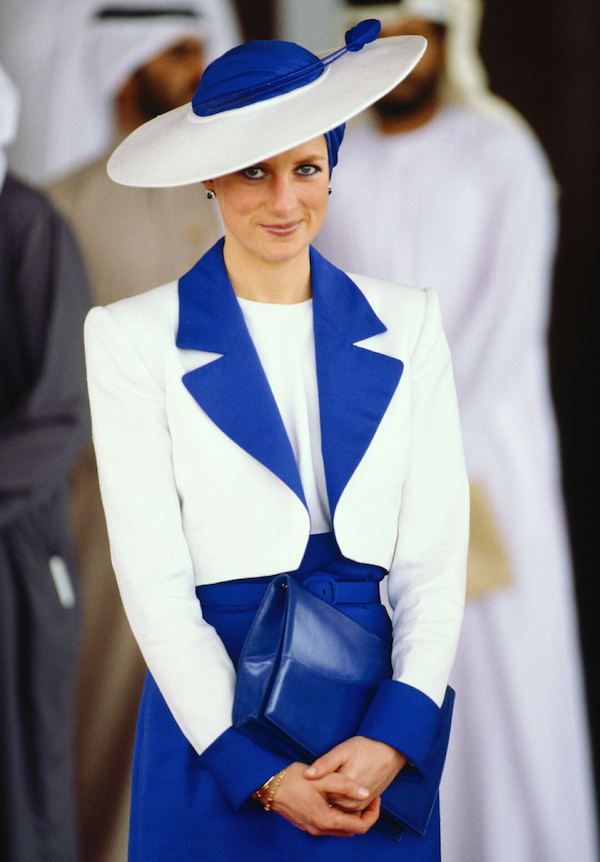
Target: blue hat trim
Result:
[[268, 68], [334, 139]]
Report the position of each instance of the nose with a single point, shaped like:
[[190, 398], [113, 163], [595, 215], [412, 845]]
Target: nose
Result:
[[283, 197]]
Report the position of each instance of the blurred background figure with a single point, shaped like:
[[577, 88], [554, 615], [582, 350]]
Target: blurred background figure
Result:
[[40, 46], [64, 123], [43, 427], [141, 59], [471, 212]]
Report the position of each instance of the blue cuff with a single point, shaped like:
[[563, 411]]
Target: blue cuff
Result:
[[240, 766], [406, 718], [403, 717]]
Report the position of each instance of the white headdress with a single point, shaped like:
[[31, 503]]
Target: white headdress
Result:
[[122, 37], [9, 114], [465, 78], [46, 50]]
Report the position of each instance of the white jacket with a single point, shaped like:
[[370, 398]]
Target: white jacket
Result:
[[199, 482]]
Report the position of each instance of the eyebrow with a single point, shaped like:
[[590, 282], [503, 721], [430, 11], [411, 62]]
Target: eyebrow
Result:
[[311, 157]]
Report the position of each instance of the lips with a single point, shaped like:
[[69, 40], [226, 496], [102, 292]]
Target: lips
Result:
[[282, 229]]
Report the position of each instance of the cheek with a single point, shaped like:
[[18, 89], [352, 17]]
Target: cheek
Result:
[[235, 209], [318, 201], [238, 200]]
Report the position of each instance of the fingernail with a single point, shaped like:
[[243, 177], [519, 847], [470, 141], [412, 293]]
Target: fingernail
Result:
[[311, 770], [363, 792]]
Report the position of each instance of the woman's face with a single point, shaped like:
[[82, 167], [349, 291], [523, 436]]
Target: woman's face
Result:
[[273, 210]]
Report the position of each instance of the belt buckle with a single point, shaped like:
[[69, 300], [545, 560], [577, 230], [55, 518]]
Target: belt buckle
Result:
[[323, 586]]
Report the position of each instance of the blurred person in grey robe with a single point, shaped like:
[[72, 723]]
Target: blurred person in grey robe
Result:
[[145, 58], [457, 195], [43, 427]]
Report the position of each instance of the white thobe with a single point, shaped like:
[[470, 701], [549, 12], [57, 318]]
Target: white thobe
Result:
[[465, 205]]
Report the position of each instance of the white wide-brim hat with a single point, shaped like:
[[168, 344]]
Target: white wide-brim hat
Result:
[[179, 147]]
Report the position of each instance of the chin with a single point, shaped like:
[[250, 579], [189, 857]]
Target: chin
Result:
[[280, 249]]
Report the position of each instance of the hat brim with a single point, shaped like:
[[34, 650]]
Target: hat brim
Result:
[[179, 148]]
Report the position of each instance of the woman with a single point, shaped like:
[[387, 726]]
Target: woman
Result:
[[269, 414]]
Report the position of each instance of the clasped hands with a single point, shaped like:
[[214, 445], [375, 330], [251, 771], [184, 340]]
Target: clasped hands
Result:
[[339, 794]]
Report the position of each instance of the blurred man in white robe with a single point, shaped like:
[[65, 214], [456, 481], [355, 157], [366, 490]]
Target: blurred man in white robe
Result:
[[45, 49], [454, 193], [146, 58]]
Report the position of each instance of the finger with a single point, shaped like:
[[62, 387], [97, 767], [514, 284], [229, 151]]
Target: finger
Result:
[[329, 762], [353, 806], [342, 787], [341, 822], [371, 813]]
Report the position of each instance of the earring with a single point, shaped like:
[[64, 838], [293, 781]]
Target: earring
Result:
[[211, 196], [329, 190]]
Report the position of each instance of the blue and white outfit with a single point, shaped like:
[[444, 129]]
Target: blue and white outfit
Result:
[[208, 478]]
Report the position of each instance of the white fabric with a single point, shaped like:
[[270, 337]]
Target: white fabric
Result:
[[116, 48], [465, 205], [9, 113], [284, 339], [464, 79], [187, 505], [133, 239], [432, 10], [45, 48]]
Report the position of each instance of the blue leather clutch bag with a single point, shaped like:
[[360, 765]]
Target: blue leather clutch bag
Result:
[[305, 678]]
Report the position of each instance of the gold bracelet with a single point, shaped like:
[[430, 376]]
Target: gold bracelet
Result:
[[273, 790], [275, 780], [258, 793]]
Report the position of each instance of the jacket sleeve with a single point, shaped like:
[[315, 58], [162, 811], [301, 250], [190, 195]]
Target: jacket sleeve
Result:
[[426, 582], [152, 561]]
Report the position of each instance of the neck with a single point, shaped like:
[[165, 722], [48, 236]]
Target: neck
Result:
[[283, 282]]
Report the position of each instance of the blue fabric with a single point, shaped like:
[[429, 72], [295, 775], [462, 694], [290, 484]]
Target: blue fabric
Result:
[[190, 808], [334, 138], [253, 72], [403, 717], [353, 381], [233, 390], [264, 68]]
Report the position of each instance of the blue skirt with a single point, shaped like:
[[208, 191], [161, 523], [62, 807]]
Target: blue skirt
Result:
[[178, 812]]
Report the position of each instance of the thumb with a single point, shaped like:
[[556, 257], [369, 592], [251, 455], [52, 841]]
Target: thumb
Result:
[[326, 764]]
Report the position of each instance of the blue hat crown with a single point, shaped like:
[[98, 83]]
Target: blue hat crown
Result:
[[263, 69]]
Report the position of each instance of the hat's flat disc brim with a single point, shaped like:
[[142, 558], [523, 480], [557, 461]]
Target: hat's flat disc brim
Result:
[[179, 147]]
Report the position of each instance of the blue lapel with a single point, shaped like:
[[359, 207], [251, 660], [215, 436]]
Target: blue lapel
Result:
[[233, 389], [355, 384]]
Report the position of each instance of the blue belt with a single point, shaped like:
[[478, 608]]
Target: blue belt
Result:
[[249, 592]]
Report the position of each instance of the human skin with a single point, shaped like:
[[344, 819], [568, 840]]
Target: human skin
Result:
[[272, 211], [166, 81], [416, 99]]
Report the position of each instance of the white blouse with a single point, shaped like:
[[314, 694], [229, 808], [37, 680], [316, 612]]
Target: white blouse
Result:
[[284, 339]]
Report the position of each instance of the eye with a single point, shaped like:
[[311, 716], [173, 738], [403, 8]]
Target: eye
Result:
[[308, 170], [253, 173]]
